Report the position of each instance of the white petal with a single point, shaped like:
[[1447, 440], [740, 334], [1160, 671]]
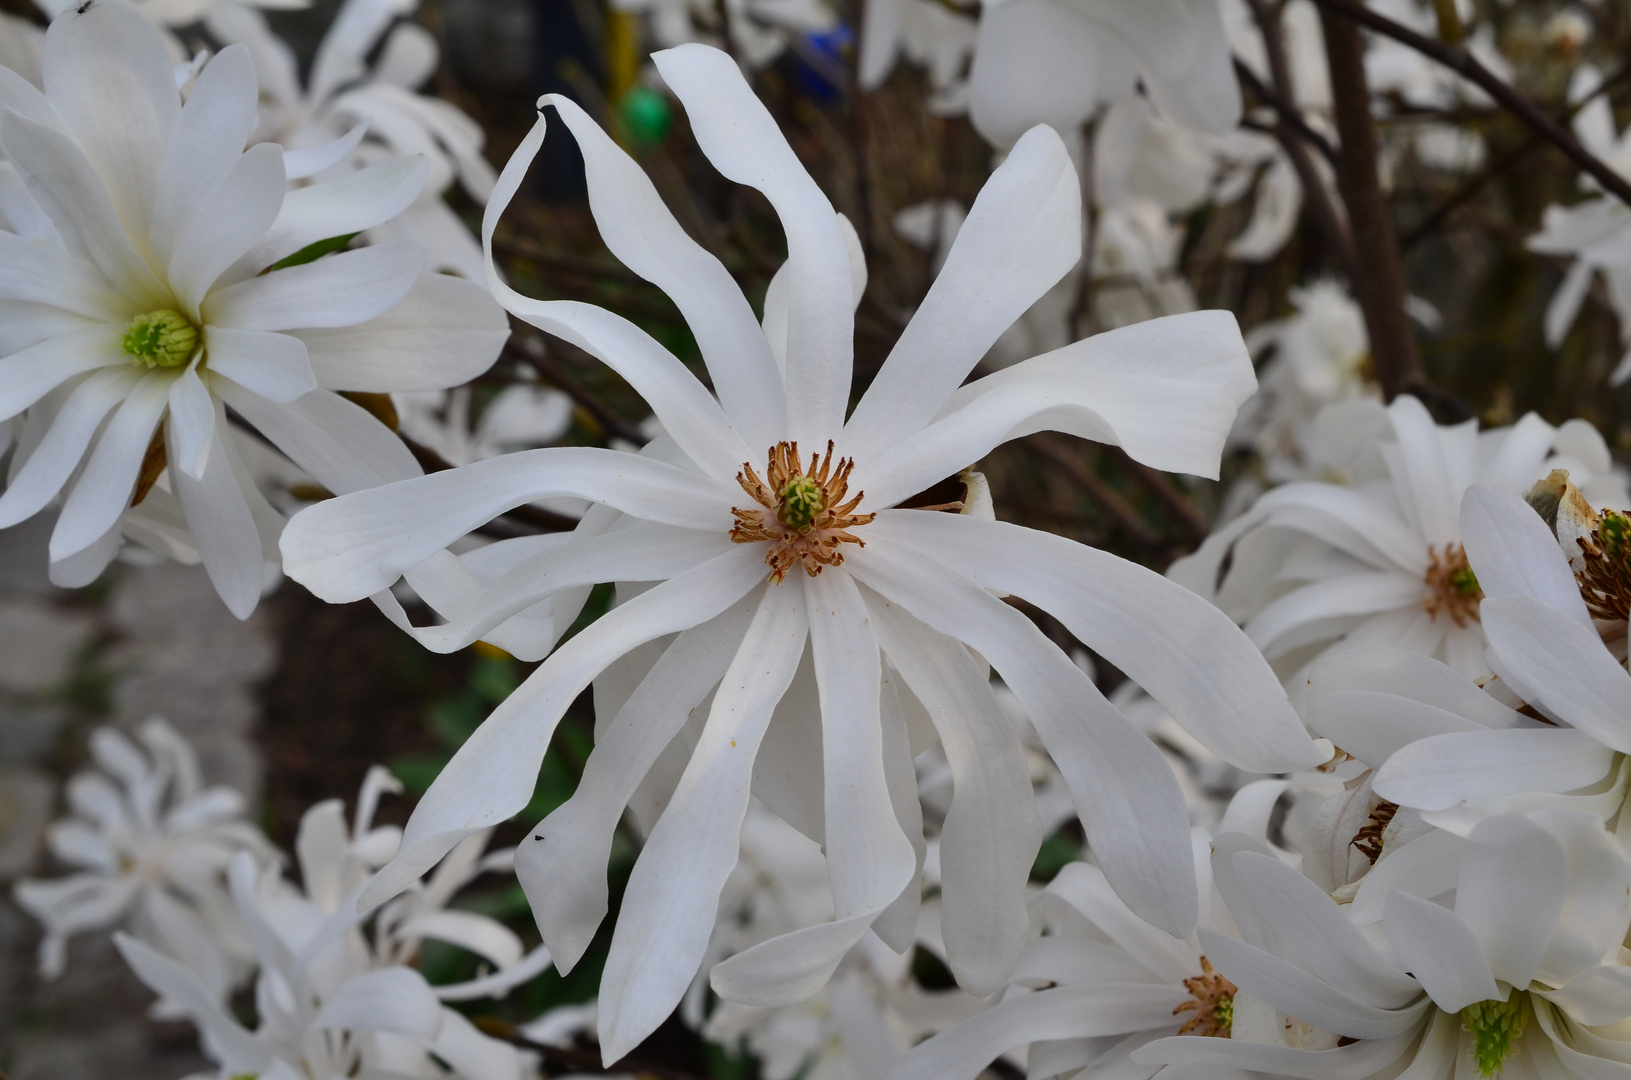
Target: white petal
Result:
[[992, 832], [673, 894], [392, 999], [1034, 61], [1510, 893], [361, 543], [1563, 666], [338, 290], [1437, 772], [1409, 676], [312, 160], [1601, 996], [223, 527], [192, 422], [208, 140], [1182, 650], [641, 232], [688, 412], [487, 938], [58, 454], [104, 488], [562, 865], [1084, 887], [1066, 1012], [472, 1054], [743, 142], [1194, 1057], [120, 111], [1108, 765], [493, 774], [1021, 236], [1596, 908], [274, 366], [341, 444], [445, 332], [27, 376], [225, 222], [1514, 553], [1374, 726], [1427, 867], [34, 271], [67, 188], [353, 203], [1425, 483], [177, 985], [1276, 628]]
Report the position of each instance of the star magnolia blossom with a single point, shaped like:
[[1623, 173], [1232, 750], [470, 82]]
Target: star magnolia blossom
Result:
[[1056, 61], [769, 527], [147, 289], [324, 122], [153, 845], [1460, 754], [1376, 562], [334, 998], [1517, 976]]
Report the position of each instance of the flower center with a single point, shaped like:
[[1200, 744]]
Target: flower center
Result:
[[1452, 587], [1604, 571], [1368, 840], [801, 511], [1212, 1000], [160, 339], [1496, 1027]]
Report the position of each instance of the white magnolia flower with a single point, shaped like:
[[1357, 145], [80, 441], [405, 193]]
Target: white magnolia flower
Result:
[[335, 998], [322, 123], [150, 291], [152, 845], [1057, 61], [1595, 233], [798, 573], [1379, 561], [1508, 967]]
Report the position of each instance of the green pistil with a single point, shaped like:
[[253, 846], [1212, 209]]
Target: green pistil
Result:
[[160, 339], [1496, 1027], [1223, 1015], [1614, 534], [802, 500], [1464, 581]]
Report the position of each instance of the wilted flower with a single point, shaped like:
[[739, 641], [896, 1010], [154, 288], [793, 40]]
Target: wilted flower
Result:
[[784, 556]]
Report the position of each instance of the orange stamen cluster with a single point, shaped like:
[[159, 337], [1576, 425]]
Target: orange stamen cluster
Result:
[[1212, 1000], [1451, 586], [801, 511]]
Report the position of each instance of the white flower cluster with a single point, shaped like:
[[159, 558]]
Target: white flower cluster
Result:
[[1357, 811]]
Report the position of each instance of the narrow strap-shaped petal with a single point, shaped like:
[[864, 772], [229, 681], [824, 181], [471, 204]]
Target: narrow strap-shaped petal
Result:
[[1437, 772], [743, 142], [222, 524], [27, 376], [562, 864], [1320, 602], [992, 832], [225, 223], [641, 232], [341, 444], [396, 999], [338, 290], [1129, 801], [273, 366], [1065, 1012], [1511, 890], [121, 111], [53, 461], [1193, 1057], [206, 143], [192, 422], [1023, 233], [493, 774], [1083, 886], [1372, 726], [672, 897], [1440, 951], [68, 189], [688, 412], [1182, 650], [179, 986], [1513, 553], [103, 490], [1562, 667], [360, 543], [1422, 470], [39, 272]]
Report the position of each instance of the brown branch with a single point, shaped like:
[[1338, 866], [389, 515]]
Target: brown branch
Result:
[[1112, 501], [1464, 64], [1378, 283], [1289, 114], [1161, 486]]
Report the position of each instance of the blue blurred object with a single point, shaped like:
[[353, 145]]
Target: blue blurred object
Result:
[[819, 62]]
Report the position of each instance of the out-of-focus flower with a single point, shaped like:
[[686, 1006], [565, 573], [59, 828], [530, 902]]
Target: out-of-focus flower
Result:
[[164, 274], [931, 34], [170, 15], [520, 417], [751, 567], [1376, 562], [335, 998], [152, 844], [1057, 62], [760, 30], [321, 123]]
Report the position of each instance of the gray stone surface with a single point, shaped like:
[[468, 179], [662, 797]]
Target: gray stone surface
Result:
[[169, 648]]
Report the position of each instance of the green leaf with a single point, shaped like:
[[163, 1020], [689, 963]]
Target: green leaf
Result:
[[313, 252]]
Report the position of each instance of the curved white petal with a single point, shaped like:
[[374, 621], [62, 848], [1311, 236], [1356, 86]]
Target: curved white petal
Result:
[[103, 490], [27, 376], [223, 526], [191, 423], [273, 366], [1437, 772], [1513, 552], [225, 222], [1562, 665], [53, 461], [345, 289], [1510, 892], [340, 443]]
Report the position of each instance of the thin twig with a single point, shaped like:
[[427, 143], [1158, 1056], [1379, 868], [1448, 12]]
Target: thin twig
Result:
[[1463, 63], [1288, 113], [1166, 492], [1112, 501]]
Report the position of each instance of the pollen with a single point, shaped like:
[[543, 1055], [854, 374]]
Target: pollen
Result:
[[1451, 586], [160, 339], [802, 512], [1212, 1000], [1496, 1026]]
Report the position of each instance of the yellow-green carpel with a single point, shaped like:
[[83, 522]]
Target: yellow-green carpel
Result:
[[160, 339], [1495, 1027], [802, 501]]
